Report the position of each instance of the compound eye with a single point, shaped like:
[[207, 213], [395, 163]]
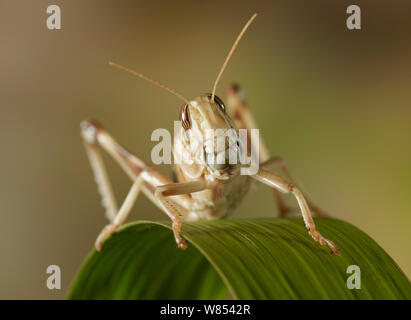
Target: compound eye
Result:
[[185, 117], [217, 101]]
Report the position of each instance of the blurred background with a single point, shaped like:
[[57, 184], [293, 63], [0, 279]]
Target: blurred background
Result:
[[334, 103]]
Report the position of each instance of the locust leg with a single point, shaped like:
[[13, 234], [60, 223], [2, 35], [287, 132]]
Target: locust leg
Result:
[[284, 186], [244, 119], [123, 213], [163, 193], [273, 164], [278, 163], [144, 178], [99, 170]]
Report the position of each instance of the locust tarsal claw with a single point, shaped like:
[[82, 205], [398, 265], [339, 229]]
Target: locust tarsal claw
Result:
[[181, 244], [104, 234], [324, 241]]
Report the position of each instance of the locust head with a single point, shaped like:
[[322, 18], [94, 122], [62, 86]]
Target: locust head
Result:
[[210, 137]]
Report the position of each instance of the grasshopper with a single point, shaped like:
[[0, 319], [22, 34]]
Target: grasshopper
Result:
[[204, 190]]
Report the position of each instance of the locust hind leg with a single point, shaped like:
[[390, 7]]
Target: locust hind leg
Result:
[[144, 178], [238, 108], [122, 214]]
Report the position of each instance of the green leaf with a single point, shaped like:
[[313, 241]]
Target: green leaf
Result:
[[242, 259]]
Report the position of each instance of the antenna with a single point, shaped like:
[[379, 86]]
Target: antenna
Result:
[[144, 77], [231, 53]]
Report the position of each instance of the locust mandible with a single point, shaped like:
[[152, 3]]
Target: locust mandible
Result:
[[204, 190]]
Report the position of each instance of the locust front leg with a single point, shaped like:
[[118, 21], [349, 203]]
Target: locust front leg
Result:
[[278, 163], [175, 211], [283, 186]]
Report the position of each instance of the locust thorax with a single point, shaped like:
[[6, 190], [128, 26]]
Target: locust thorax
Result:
[[209, 138]]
